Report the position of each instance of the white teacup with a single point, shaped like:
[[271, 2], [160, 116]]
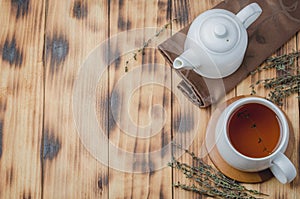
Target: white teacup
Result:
[[282, 168]]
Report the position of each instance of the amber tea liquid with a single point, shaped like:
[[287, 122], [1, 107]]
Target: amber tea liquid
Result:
[[254, 130]]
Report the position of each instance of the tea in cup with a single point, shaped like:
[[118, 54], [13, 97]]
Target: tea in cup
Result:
[[252, 135]]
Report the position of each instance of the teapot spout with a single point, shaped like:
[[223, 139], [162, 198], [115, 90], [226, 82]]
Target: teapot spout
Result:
[[186, 60]]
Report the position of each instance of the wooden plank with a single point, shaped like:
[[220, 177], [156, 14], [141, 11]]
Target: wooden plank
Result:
[[142, 177], [291, 108], [21, 98], [73, 30], [186, 11]]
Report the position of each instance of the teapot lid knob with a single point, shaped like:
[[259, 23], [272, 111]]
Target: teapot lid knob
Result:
[[220, 31]]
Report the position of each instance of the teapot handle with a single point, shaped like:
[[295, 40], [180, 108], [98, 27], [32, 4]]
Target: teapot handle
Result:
[[249, 14]]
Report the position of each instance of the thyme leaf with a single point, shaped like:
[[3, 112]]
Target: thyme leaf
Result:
[[284, 85], [141, 50], [208, 181]]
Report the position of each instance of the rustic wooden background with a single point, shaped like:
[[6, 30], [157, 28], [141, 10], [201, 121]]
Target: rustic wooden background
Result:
[[42, 45]]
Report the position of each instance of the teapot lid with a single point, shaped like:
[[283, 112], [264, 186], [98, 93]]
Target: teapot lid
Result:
[[220, 31]]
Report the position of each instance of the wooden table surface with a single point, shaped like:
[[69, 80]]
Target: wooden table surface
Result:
[[43, 44]]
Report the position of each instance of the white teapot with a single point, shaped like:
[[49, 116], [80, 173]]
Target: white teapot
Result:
[[217, 41]]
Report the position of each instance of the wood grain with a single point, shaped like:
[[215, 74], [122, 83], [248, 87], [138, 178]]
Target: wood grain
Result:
[[186, 11], [291, 109], [44, 43], [73, 30], [144, 179], [21, 98]]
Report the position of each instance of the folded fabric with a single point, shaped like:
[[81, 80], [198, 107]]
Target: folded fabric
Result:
[[279, 21]]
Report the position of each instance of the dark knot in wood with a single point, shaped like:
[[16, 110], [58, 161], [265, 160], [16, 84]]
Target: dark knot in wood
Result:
[[51, 146], [80, 10], [58, 48], [21, 6], [11, 54]]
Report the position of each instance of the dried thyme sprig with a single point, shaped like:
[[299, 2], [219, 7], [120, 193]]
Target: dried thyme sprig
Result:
[[141, 50], [284, 85], [209, 181]]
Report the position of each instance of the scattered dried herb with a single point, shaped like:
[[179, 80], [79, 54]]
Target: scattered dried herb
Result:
[[208, 181], [286, 84], [141, 50], [253, 126], [245, 115], [259, 140]]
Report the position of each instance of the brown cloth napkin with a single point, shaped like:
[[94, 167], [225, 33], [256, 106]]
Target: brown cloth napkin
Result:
[[279, 21]]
